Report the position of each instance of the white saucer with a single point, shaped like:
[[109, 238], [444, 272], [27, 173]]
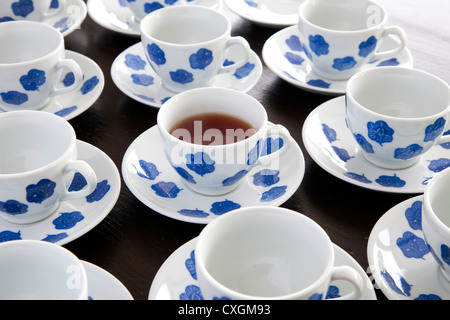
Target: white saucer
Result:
[[332, 146], [102, 285], [75, 217], [75, 102], [186, 205], [133, 62], [177, 279], [399, 257], [115, 15], [283, 54], [266, 12]]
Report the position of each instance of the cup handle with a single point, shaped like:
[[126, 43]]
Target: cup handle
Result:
[[274, 132], [390, 53], [349, 274], [239, 41], [444, 139], [71, 66], [87, 172], [47, 13]]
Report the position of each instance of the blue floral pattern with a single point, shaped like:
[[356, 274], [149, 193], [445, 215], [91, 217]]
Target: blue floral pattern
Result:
[[33, 80], [434, 130], [38, 193], [318, 45], [22, 8], [380, 132], [201, 59], [200, 162], [367, 47], [342, 64]]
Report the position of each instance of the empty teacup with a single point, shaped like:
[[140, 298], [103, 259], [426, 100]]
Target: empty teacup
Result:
[[33, 67], [141, 8], [37, 164], [40, 270], [397, 114], [214, 136], [268, 253], [31, 10], [436, 220], [339, 37], [187, 45]]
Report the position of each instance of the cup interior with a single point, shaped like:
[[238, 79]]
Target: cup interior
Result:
[[185, 25], [338, 15], [266, 253], [29, 140], [400, 93], [23, 41], [439, 198]]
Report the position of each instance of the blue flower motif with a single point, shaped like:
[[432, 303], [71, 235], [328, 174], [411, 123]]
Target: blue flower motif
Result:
[[428, 297], [316, 296], [200, 162], [293, 42], [380, 132], [414, 215], [271, 145], [366, 47], [344, 63], [293, 58], [190, 265], [185, 175], [329, 132], [412, 246], [69, 79], [318, 45], [365, 145], [14, 97], [273, 193], [156, 54], [78, 182], [196, 213], [244, 71], [232, 180], [5, 19], [63, 24], [89, 85], [390, 181], [445, 254], [358, 177], [252, 4], [390, 62], [342, 154], [54, 4], [142, 79], [150, 170], [405, 289], [192, 292], [318, 83], [55, 237], [306, 51], [66, 111], [38, 193], [8, 235], [333, 292], [33, 80], [166, 189], [22, 8], [266, 177], [134, 62], [221, 207], [201, 59], [181, 76], [439, 164], [13, 207], [100, 191], [434, 130], [67, 220], [253, 154], [409, 152], [150, 7]]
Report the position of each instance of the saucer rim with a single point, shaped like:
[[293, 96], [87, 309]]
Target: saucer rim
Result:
[[153, 131], [118, 83]]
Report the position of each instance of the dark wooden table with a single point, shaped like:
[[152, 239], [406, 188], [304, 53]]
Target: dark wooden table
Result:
[[133, 241]]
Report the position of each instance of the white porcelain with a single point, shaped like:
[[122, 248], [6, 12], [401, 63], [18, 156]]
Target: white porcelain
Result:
[[268, 13], [176, 279], [103, 285], [217, 169], [399, 258], [134, 76], [141, 8], [39, 157], [268, 253], [397, 114], [74, 218], [187, 45], [38, 270], [115, 15], [31, 64], [436, 220], [331, 145], [29, 9], [155, 183], [340, 37], [283, 54]]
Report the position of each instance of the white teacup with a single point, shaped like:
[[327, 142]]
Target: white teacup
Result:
[[268, 253], [33, 65], [397, 114], [141, 8], [436, 220], [339, 37], [32, 10], [219, 168], [187, 45], [38, 159], [40, 270]]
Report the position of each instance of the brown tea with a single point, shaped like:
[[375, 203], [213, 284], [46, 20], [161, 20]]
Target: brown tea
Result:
[[212, 129]]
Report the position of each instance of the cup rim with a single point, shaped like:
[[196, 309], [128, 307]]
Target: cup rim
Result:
[[64, 155], [210, 228], [182, 8], [427, 199], [34, 24], [307, 2], [198, 91], [394, 69]]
